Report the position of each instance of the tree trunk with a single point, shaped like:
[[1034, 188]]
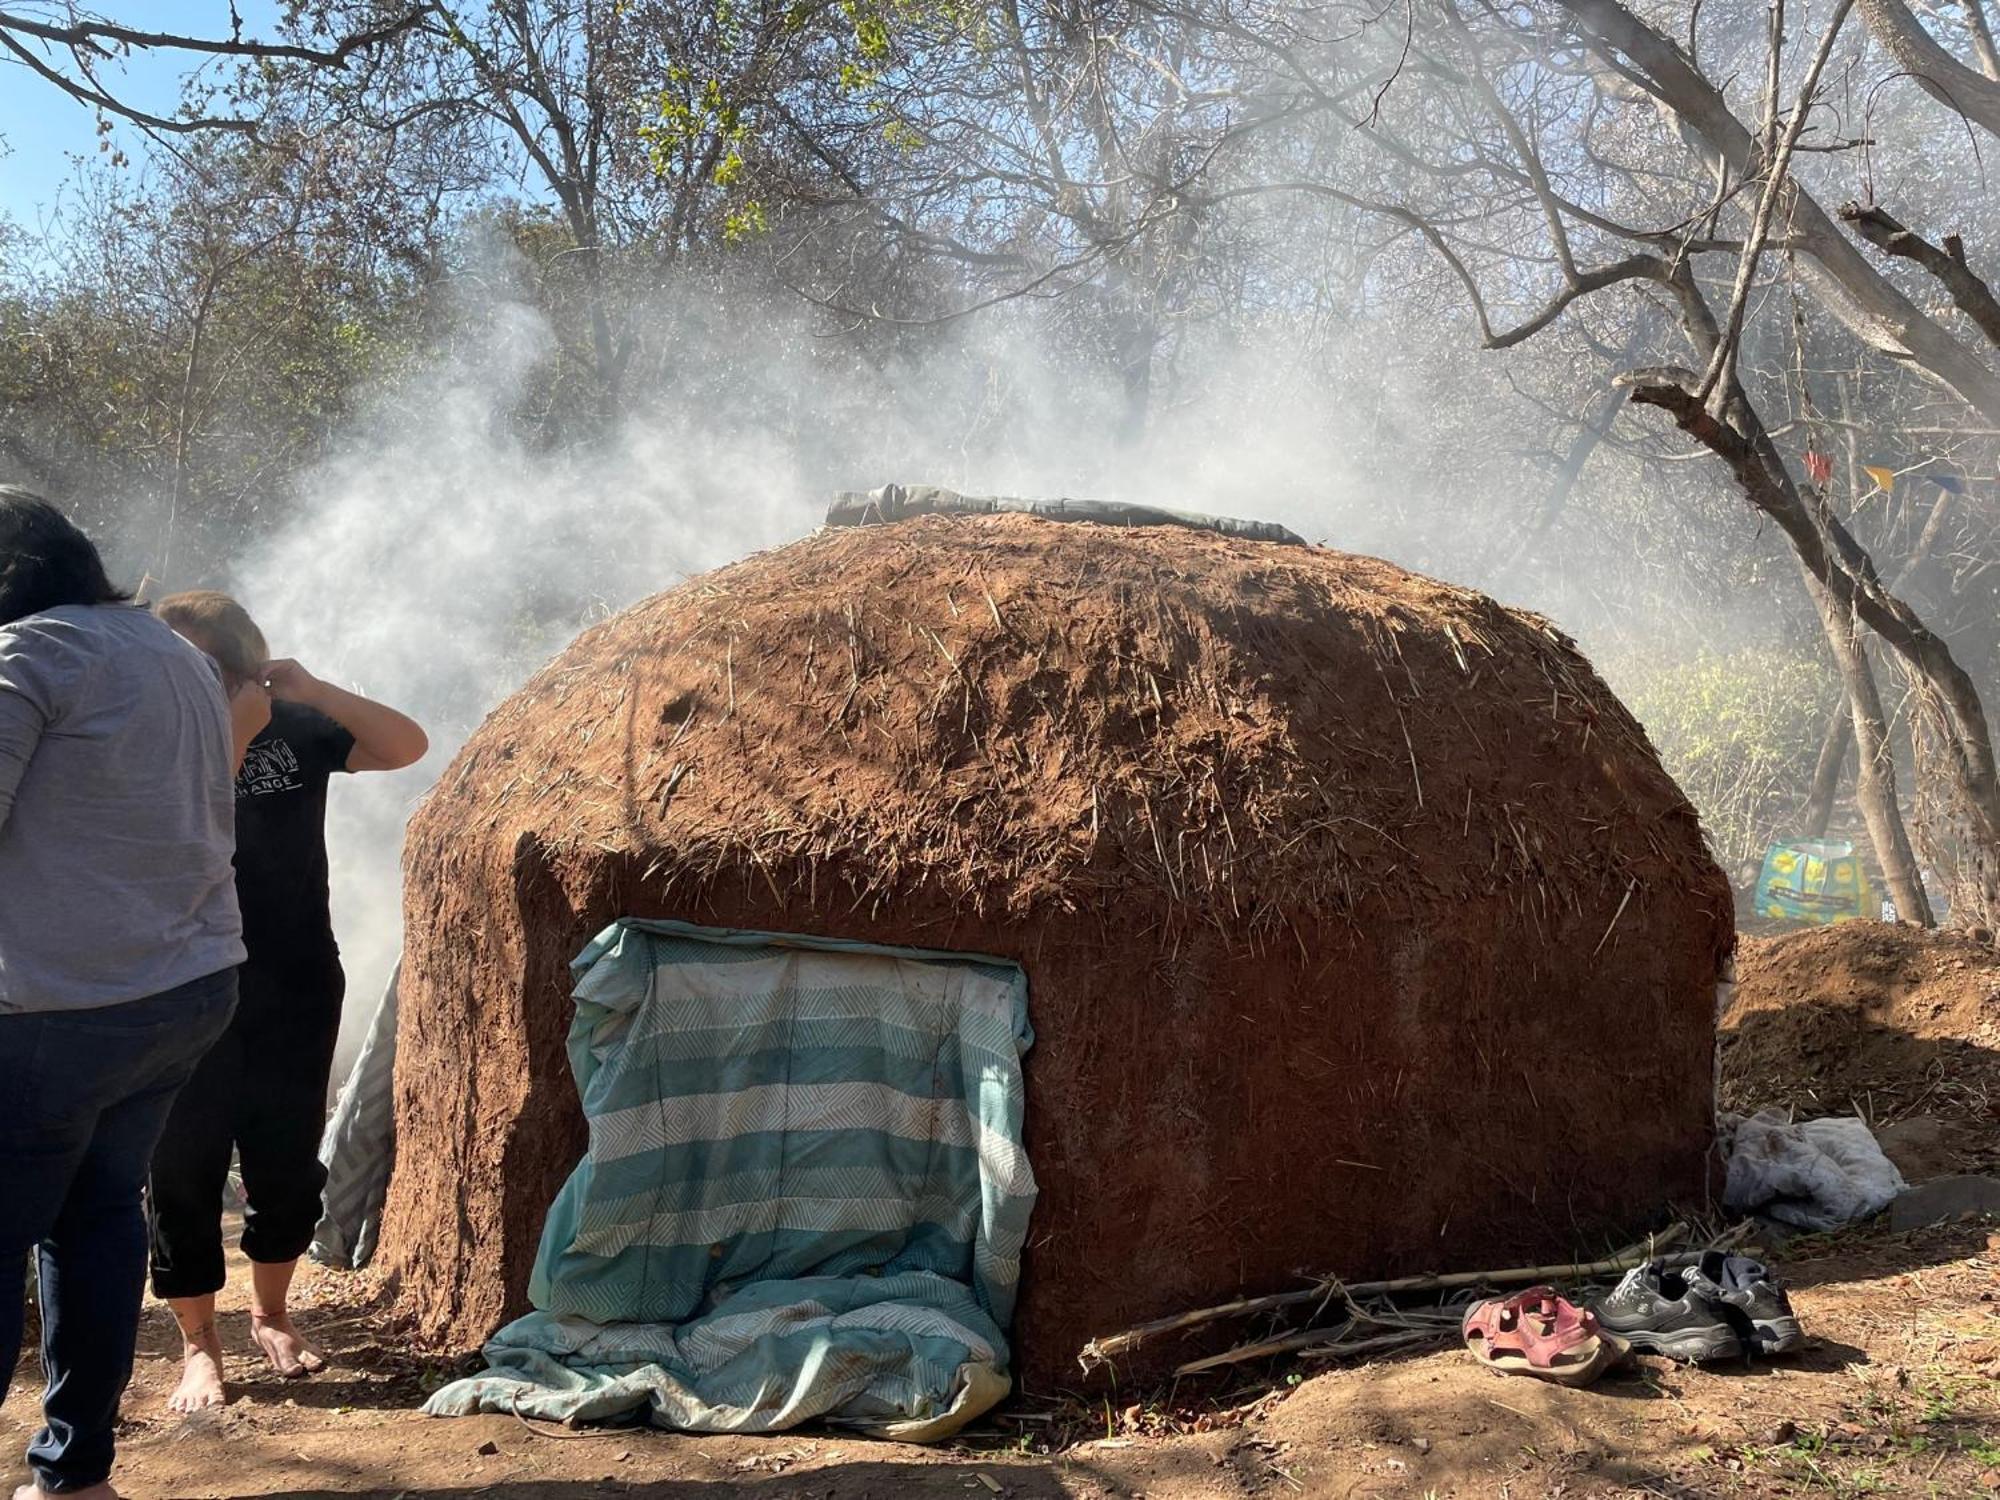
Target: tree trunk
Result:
[[1982, 36], [1837, 565], [1827, 770], [1966, 93], [1875, 778], [606, 357], [183, 418], [1839, 736], [1137, 338], [1597, 420]]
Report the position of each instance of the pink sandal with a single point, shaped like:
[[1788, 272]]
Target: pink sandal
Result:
[[1538, 1333]]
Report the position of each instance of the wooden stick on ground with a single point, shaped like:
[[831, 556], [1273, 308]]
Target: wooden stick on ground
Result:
[[1104, 1350], [1653, 1244], [1101, 1351]]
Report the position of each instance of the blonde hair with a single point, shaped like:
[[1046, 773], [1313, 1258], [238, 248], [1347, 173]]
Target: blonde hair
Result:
[[221, 627]]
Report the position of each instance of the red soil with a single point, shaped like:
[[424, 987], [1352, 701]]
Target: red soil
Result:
[[1892, 1021]]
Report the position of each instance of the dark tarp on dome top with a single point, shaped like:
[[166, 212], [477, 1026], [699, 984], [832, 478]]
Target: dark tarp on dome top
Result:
[[898, 502]]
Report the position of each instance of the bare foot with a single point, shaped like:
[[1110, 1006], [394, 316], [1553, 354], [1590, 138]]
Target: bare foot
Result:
[[201, 1374], [284, 1346], [95, 1492]]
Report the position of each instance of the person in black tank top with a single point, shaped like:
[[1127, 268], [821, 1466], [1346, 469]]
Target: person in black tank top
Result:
[[260, 1093]]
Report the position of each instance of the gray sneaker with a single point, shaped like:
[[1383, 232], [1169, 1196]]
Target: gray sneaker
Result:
[[1747, 1288], [1660, 1311]]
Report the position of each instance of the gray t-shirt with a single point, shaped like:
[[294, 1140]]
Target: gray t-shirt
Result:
[[117, 811]]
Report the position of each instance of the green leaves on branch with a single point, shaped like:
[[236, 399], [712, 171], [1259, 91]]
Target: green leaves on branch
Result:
[[696, 127], [704, 127], [747, 220]]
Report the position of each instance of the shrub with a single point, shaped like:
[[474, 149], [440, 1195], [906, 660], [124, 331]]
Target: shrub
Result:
[[1740, 731]]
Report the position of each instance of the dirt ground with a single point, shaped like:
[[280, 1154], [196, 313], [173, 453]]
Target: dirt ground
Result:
[[1899, 1396], [1899, 1026], [1887, 1021]]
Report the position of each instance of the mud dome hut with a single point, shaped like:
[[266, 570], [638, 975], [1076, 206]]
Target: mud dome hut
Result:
[[1363, 930]]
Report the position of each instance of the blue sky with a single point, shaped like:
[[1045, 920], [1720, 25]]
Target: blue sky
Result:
[[42, 129]]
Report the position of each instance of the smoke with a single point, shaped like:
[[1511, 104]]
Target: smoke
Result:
[[437, 559]]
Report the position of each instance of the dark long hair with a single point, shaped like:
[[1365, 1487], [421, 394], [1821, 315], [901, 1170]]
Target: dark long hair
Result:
[[45, 562]]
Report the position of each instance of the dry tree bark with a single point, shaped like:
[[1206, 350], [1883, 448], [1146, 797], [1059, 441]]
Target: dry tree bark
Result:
[[1830, 557], [1828, 770], [1878, 313], [1948, 264], [1875, 777], [1860, 297], [1839, 736], [1927, 60]]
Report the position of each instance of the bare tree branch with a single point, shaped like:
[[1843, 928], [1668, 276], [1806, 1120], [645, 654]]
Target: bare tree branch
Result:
[[1936, 71], [1777, 166], [1982, 36], [1974, 297], [97, 99], [1825, 549], [1857, 293], [99, 37], [89, 37]]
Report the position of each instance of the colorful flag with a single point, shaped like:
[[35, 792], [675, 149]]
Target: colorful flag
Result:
[[1951, 484], [1885, 479], [1818, 466]]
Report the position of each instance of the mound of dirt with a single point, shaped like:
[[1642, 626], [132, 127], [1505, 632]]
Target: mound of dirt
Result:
[[1323, 875], [1889, 1021]]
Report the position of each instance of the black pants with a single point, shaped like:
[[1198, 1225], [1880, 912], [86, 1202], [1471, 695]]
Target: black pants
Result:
[[260, 1093]]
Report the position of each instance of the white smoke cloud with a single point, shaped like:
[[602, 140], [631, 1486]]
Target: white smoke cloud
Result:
[[436, 559]]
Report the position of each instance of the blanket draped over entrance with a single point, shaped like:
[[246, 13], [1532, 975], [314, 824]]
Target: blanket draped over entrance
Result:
[[804, 1198]]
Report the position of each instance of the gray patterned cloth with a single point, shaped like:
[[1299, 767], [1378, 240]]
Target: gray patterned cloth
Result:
[[360, 1145]]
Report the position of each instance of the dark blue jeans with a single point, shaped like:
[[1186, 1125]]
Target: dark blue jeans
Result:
[[83, 1097]]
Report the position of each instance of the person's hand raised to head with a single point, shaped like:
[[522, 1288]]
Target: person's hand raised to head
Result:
[[289, 681], [384, 740]]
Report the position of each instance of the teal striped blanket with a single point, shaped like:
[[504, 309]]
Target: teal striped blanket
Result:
[[805, 1194]]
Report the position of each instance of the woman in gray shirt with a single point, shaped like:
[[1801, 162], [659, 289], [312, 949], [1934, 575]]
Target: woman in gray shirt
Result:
[[119, 941]]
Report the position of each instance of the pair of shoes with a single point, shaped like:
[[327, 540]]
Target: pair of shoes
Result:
[[1538, 1333], [1723, 1307]]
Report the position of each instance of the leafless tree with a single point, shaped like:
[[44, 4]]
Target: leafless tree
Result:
[[76, 48], [1559, 155]]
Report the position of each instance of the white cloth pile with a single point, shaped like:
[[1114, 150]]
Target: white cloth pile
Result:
[[1810, 1174]]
